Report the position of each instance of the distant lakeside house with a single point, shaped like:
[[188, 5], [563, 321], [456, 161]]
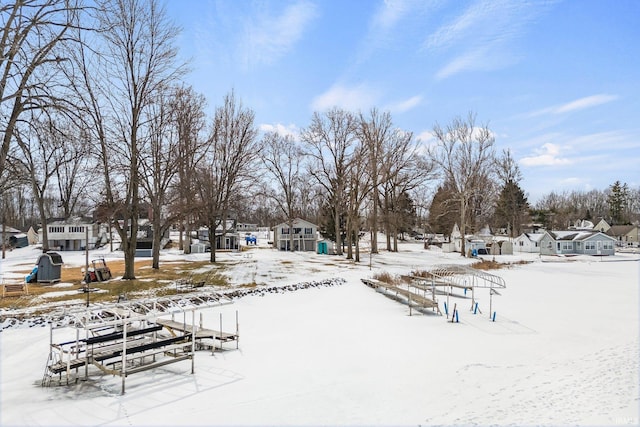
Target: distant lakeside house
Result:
[[226, 235], [528, 242], [144, 239], [72, 234], [304, 233], [13, 237], [626, 235], [576, 242]]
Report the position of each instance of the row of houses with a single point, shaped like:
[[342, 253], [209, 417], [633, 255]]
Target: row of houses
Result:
[[76, 233], [601, 239]]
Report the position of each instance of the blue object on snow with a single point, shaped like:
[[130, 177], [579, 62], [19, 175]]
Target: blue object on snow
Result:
[[31, 277]]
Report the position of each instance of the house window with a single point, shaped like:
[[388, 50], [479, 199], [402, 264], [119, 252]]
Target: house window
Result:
[[607, 244], [53, 229], [590, 246], [285, 230], [567, 246], [297, 230], [308, 231], [521, 243], [76, 229]]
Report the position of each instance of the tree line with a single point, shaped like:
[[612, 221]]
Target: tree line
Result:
[[97, 120]]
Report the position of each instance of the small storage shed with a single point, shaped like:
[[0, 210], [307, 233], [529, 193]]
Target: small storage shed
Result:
[[19, 241], [506, 247], [495, 248], [49, 267]]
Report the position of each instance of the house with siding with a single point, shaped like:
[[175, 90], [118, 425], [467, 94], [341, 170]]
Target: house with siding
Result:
[[528, 242], [71, 234], [226, 235], [602, 225], [304, 233], [573, 242], [626, 235]]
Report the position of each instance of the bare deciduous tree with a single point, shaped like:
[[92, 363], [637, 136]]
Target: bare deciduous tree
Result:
[[30, 35], [189, 116], [464, 155], [282, 159], [140, 48], [404, 169], [358, 187], [330, 140], [228, 167], [40, 145], [159, 167], [76, 169], [374, 132]]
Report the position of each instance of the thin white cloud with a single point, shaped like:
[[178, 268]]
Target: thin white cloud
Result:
[[284, 130], [473, 59], [390, 13], [547, 155], [479, 38], [576, 105], [354, 98], [267, 38], [405, 105], [393, 22]]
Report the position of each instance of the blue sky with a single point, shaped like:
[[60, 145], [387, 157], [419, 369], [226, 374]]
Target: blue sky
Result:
[[558, 82]]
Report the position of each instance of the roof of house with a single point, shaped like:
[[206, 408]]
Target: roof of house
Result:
[[8, 229], [295, 221], [71, 220], [534, 237], [575, 235], [620, 230]]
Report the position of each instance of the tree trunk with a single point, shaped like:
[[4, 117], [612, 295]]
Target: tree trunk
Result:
[[349, 237], [157, 241], [291, 234], [337, 230], [374, 218], [463, 228], [212, 241]]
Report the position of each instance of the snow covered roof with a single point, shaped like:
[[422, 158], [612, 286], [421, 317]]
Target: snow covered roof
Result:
[[534, 237], [575, 235]]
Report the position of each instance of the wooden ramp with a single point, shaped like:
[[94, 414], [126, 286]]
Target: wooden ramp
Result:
[[401, 294]]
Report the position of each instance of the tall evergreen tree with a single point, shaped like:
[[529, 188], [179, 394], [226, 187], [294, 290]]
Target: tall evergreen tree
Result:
[[618, 200], [444, 211], [511, 207]]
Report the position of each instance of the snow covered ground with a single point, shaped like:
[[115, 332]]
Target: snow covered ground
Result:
[[564, 350]]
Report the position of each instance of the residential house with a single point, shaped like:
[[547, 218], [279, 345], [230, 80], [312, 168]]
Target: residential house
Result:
[[227, 237], [528, 242], [602, 226], [626, 235], [71, 234], [243, 227], [572, 242], [144, 239], [472, 243], [8, 232], [304, 233], [581, 224]]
